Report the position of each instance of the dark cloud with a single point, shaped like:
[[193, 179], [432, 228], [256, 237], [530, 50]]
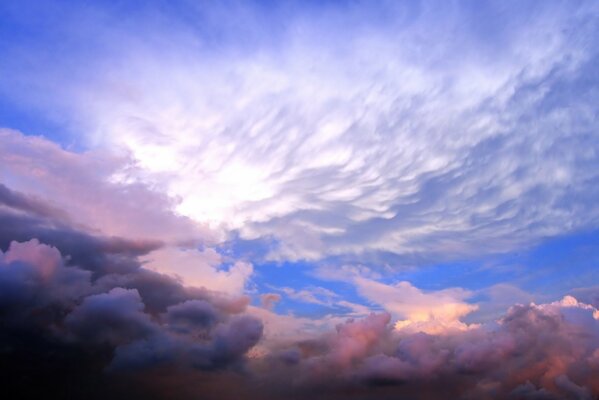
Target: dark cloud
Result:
[[80, 304], [113, 318], [35, 284], [192, 315], [535, 352], [82, 318], [98, 254], [29, 204], [236, 338]]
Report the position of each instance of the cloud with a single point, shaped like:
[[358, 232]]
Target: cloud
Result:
[[28, 204], [101, 309], [284, 329], [269, 300], [83, 188], [165, 240], [412, 309], [352, 136], [101, 254], [496, 299], [536, 351], [314, 294], [201, 268], [192, 315], [35, 280], [136, 322], [115, 318], [414, 132], [33, 277], [430, 312]]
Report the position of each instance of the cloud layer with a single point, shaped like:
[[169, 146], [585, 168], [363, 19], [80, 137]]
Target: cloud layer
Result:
[[536, 351], [84, 306], [388, 137], [120, 322]]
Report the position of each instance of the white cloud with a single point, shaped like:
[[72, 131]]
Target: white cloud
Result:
[[201, 269], [80, 185], [416, 310], [412, 309], [348, 138]]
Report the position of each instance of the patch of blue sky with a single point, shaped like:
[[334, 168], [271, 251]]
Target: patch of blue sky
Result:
[[551, 269], [273, 277]]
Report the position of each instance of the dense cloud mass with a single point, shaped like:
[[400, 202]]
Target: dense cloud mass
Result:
[[87, 300], [535, 352], [105, 326], [350, 136]]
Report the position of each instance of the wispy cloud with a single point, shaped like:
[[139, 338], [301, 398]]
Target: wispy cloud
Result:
[[389, 137]]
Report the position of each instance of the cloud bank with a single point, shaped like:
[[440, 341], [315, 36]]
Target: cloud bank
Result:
[[101, 310], [537, 351], [86, 309]]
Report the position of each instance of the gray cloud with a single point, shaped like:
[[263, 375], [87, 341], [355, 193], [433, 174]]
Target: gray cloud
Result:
[[87, 300], [537, 352], [134, 322], [113, 318]]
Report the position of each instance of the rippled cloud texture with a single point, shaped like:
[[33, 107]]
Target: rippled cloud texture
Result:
[[361, 200]]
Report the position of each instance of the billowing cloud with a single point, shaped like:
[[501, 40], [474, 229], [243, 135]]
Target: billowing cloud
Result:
[[114, 318], [435, 311], [413, 309], [136, 322], [87, 300], [33, 277], [83, 188], [536, 351], [86, 213], [201, 268]]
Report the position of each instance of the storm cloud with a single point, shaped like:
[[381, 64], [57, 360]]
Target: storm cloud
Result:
[[88, 299]]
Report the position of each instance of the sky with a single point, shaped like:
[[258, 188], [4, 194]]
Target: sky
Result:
[[299, 199]]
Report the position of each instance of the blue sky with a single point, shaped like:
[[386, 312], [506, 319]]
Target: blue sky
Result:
[[436, 161]]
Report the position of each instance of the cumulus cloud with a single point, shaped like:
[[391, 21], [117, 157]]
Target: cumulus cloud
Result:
[[201, 268], [436, 311], [137, 322], [114, 318], [35, 281], [413, 309], [103, 219], [88, 300], [314, 295], [192, 315], [536, 352], [33, 277]]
